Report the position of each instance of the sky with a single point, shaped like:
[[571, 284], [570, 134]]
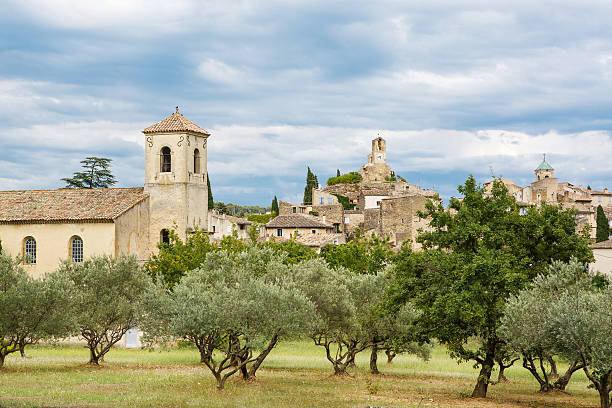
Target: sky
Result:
[[455, 87]]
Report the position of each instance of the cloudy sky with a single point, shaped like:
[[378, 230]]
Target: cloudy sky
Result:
[[456, 87]]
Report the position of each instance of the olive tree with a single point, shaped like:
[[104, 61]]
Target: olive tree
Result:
[[526, 325], [234, 308], [342, 300], [108, 294], [32, 309], [582, 322]]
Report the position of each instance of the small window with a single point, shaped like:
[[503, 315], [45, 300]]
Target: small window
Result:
[[164, 236], [314, 231], [214, 229], [76, 249], [294, 211], [347, 220], [29, 253], [166, 160], [196, 161], [599, 198], [329, 200], [321, 200], [279, 232]]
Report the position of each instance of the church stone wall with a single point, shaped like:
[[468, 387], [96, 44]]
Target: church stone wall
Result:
[[132, 232]]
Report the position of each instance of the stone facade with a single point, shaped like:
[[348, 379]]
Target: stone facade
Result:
[[376, 169], [399, 220], [222, 225]]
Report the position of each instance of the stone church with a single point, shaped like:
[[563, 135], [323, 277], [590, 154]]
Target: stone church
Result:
[[47, 226]]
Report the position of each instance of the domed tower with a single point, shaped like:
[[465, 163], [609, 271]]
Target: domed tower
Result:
[[175, 177], [544, 170]]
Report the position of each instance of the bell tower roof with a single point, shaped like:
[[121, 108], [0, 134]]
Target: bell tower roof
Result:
[[175, 123], [544, 165]]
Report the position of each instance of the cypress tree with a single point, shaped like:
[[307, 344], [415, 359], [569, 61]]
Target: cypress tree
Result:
[[311, 182], [338, 173], [211, 202], [603, 227], [275, 205]]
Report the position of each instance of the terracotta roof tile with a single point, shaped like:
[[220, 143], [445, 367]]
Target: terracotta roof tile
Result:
[[175, 123], [603, 244], [295, 221], [36, 206], [318, 240]]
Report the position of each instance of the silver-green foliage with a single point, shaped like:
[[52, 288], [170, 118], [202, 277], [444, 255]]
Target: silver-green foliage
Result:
[[108, 294], [582, 325], [568, 313], [527, 327], [31, 309], [234, 308], [343, 301]]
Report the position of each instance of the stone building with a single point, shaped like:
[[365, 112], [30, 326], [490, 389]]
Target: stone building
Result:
[[47, 226], [376, 169], [374, 205], [286, 226], [602, 252], [222, 225], [547, 188]]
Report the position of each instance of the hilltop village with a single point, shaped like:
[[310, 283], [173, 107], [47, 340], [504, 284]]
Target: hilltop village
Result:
[[46, 226]]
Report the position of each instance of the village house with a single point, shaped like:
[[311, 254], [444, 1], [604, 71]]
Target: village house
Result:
[[47, 226], [287, 226], [222, 225], [377, 204]]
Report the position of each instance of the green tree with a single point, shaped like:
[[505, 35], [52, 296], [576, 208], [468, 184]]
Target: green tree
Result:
[[603, 225], [350, 178], [175, 259], [95, 174], [275, 209], [582, 322], [362, 255], [343, 301], [109, 294], [311, 182], [338, 173], [526, 324], [478, 252], [32, 309], [211, 201], [235, 308], [291, 251]]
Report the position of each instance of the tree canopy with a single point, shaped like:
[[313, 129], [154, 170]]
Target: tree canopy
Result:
[[478, 252], [96, 174]]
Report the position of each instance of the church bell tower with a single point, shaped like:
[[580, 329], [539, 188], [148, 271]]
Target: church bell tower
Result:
[[175, 177]]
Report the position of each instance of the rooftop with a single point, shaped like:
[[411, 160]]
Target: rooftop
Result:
[[603, 244], [544, 165], [295, 221], [79, 205], [175, 123]]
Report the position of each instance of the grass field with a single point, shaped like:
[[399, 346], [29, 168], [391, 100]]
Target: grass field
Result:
[[294, 375]]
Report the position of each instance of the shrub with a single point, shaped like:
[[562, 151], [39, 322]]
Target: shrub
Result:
[[350, 178]]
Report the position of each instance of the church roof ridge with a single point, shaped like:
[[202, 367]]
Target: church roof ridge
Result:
[[175, 123], [68, 205]]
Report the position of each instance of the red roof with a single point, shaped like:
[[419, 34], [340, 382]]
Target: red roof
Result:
[[65, 205]]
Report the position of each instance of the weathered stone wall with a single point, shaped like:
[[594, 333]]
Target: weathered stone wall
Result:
[[330, 214], [355, 220], [371, 221], [398, 215]]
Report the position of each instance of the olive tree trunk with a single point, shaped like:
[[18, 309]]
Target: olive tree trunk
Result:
[[486, 368], [373, 360]]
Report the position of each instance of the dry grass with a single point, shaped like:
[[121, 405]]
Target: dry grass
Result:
[[295, 375]]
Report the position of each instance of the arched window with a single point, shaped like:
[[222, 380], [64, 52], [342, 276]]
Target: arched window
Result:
[[29, 251], [165, 160], [164, 236], [196, 161], [76, 249]]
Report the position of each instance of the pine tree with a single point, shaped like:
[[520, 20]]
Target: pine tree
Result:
[[338, 173], [211, 202], [96, 174], [311, 182], [275, 206], [603, 226]]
